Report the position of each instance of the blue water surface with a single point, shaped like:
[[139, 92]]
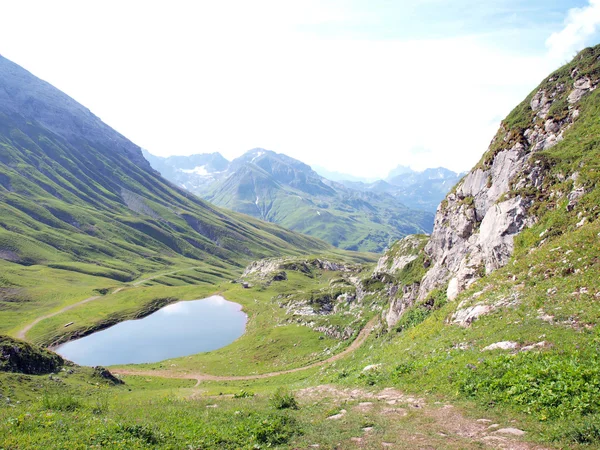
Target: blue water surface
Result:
[[179, 329]]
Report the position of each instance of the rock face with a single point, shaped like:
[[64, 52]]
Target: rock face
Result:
[[475, 226], [402, 253], [105, 374], [400, 304], [274, 267], [402, 294], [22, 357]]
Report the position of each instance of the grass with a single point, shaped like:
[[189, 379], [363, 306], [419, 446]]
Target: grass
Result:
[[365, 222], [546, 295], [272, 341]]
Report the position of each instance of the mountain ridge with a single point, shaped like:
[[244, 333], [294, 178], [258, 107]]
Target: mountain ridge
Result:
[[275, 187], [62, 170]]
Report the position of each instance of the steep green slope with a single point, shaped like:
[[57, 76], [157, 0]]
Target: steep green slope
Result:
[[274, 187], [523, 338], [74, 194], [285, 191]]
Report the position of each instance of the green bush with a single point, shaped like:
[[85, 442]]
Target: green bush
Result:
[[403, 369], [143, 433], [61, 402], [276, 430], [243, 394], [371, 377], [412, 317], [550, 385], [283, 399]]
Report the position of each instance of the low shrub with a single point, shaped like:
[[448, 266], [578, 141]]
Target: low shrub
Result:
[[283, 399], [550, 385], [276, 430], [243, 394], [61, 402]]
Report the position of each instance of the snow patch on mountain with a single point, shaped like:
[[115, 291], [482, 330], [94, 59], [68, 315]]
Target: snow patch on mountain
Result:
[[198, 170]]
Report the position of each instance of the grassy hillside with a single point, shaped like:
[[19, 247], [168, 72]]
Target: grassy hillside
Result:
[[75, 195], [82, 213], [511, 363], [282, 190], [65, 201], [276, 188]]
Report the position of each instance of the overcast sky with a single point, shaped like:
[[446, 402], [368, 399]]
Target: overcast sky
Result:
[[357, 86]]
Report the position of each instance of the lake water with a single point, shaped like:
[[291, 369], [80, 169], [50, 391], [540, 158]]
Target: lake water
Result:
[[180, 329]]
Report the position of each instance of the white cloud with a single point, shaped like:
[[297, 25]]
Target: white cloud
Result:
[[580, 25]]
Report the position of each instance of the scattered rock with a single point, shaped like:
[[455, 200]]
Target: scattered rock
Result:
[[280, 276], [397, 411], [574, 197], [464, 317], [504, 345], [371, 367], [105, 374], [545, 317], [338, 416], [541, 344], [511, 431]]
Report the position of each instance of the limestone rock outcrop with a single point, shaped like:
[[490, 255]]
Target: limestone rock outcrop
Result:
[[476, 224]]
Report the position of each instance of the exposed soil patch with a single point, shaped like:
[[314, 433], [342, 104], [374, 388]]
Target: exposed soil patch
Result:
[[419, 424]]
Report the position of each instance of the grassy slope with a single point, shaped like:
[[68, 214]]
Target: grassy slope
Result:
[[552, 392], [78, 215], [547, 293], [347, 219]]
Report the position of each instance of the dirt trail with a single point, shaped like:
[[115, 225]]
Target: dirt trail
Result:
[[23, 332], [413, 422], [199, 377]]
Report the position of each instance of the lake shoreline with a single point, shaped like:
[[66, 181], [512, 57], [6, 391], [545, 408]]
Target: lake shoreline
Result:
[[172, 329]]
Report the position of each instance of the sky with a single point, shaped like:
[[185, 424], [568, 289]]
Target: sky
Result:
[[355, 86]]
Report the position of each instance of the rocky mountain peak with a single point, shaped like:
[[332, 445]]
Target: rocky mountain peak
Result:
[[476, 224]]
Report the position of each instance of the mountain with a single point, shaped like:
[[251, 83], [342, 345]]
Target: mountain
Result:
[[412, 177], [484, 334], [274, 187], [340, 176], [399, 170], [77, 195], [533, 192], [419, 190], [194, 172]]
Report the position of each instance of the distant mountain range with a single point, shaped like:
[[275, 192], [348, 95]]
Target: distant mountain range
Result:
[[419, 190], [351, 214]]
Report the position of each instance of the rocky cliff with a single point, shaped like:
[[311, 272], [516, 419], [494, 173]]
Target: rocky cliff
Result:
[[539, 161], [476, 224]]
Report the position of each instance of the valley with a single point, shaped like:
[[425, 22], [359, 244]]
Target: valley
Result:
[[481, 332], [276, 188]]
